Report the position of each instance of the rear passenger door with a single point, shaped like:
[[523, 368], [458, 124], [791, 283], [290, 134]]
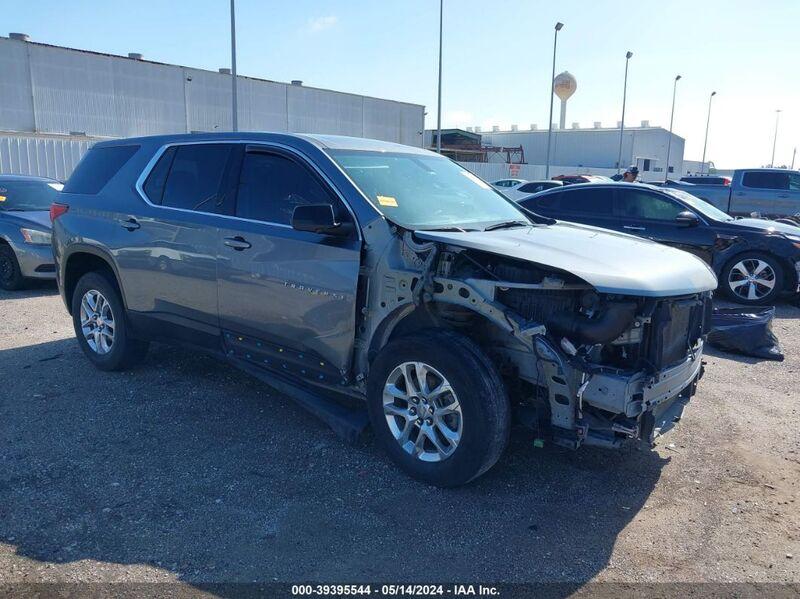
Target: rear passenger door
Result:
[[287, 298], [167, 252]]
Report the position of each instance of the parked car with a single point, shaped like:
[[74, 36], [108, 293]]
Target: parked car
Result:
[[332, 266], [768, 192], [527, 188], [706, 180], [25, 251], [573, 179], [755, 260], [505, 183]]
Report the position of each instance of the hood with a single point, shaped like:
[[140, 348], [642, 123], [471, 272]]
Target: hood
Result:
[[768, 226], [610, 262], [41, 218]]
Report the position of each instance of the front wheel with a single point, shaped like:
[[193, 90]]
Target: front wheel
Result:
[[11, 277], [753, 278], [438, 407]]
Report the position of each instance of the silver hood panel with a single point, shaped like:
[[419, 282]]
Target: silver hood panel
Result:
[[611, 262]]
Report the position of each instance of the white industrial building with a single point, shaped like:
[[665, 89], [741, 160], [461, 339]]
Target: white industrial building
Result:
[[55, 102], [598, 148]]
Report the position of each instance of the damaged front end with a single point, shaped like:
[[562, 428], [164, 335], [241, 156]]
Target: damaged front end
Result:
[[583, 367]]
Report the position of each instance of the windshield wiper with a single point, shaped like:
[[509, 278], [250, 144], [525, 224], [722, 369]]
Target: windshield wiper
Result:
[[507, 225], [449, 229]]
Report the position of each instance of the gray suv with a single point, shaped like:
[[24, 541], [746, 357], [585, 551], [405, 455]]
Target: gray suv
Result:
[[351, 272]]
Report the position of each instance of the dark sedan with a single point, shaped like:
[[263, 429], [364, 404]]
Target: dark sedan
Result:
[[755, 260], [25, 251]]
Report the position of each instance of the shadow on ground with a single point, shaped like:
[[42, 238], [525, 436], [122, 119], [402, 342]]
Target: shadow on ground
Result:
[[189, 466]]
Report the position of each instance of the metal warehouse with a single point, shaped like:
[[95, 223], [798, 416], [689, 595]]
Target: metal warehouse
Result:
[[597, 147], [57, 101]]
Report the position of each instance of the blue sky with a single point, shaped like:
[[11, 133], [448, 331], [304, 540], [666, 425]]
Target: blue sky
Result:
[[497, 56]]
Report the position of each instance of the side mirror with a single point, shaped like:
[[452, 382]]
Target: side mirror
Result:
[[687, 219], [319, 218]]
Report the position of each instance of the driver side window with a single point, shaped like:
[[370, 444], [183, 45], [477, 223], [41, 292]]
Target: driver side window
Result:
[[272, 185]]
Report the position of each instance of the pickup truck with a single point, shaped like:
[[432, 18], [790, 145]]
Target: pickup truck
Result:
[[349, 271], [766, 192]]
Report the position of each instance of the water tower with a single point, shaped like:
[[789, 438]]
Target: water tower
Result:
[[564, 85]]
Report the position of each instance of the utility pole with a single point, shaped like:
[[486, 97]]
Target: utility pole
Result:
[[552, 83], [705, 143], [439, 107], [671, 115], [622, 122], [775, 138], [235, 107]]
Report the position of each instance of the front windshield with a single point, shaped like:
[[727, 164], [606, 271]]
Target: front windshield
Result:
[[28, 195], [701, 206], [420, 191]]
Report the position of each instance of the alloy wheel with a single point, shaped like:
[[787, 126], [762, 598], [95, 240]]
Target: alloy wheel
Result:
[[97, 322], [752, 279], [422, 411]]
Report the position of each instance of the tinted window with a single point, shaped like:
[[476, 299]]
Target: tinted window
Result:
[[794, 182], [154, 186], [766, 180], [97, 167], [28, 195], [270, 186], [548, 202], [589, 201], [645, 205], [531, 187], [195, 176]]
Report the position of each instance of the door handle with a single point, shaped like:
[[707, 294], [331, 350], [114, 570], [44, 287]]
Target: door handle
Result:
[[131, 224], [631, 228], [238, 243]]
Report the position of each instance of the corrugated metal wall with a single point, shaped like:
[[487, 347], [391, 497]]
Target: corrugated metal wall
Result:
[[42, 156], [47, 89]]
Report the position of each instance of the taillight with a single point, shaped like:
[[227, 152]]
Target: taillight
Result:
[[57, 210]]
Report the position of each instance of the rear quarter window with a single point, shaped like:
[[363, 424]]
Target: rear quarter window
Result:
[[97, 168]]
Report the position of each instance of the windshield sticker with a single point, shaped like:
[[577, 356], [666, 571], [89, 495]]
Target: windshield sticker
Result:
[[475, 179], [2, 198], [387, 201]]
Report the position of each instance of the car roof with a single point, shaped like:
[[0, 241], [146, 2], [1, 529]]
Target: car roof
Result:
[[321, 141], [9, 178], [596, 185]]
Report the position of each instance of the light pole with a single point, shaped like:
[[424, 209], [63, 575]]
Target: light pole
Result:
[[705, 143], [550, 120], [794, 154], [671, 116], [775, 138], [439, 107], [235, 107], [622, 122]]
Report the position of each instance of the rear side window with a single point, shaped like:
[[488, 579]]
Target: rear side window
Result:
[[766, 180], [28, 195], [154, 186], [194, 178], [97, 168], [530, 188], [588, 201], [270, 186]]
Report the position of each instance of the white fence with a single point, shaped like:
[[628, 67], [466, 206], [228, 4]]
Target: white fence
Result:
[[52, 157]]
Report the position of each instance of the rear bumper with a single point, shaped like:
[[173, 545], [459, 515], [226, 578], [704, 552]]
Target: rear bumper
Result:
[[35, 261]]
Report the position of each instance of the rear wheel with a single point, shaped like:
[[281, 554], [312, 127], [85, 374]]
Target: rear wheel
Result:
[[98, 317], [753, 278], [11, 277], [438, 407]]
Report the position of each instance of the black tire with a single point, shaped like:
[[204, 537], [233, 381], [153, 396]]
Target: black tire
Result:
[[125, 351], [485, 408], [749, 258], [11, 278]]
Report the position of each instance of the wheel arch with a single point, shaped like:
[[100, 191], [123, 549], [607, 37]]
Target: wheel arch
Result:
[[85, 259]]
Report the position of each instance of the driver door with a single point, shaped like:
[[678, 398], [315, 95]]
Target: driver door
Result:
[[287, 298], [649, 214]]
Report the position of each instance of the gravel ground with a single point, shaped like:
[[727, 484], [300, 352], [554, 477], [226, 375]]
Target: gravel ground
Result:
[[188, 470]]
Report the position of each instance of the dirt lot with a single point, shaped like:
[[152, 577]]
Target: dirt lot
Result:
[[187, 470]]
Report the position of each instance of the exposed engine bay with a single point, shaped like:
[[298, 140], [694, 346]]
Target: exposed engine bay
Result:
[[581, 366]]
